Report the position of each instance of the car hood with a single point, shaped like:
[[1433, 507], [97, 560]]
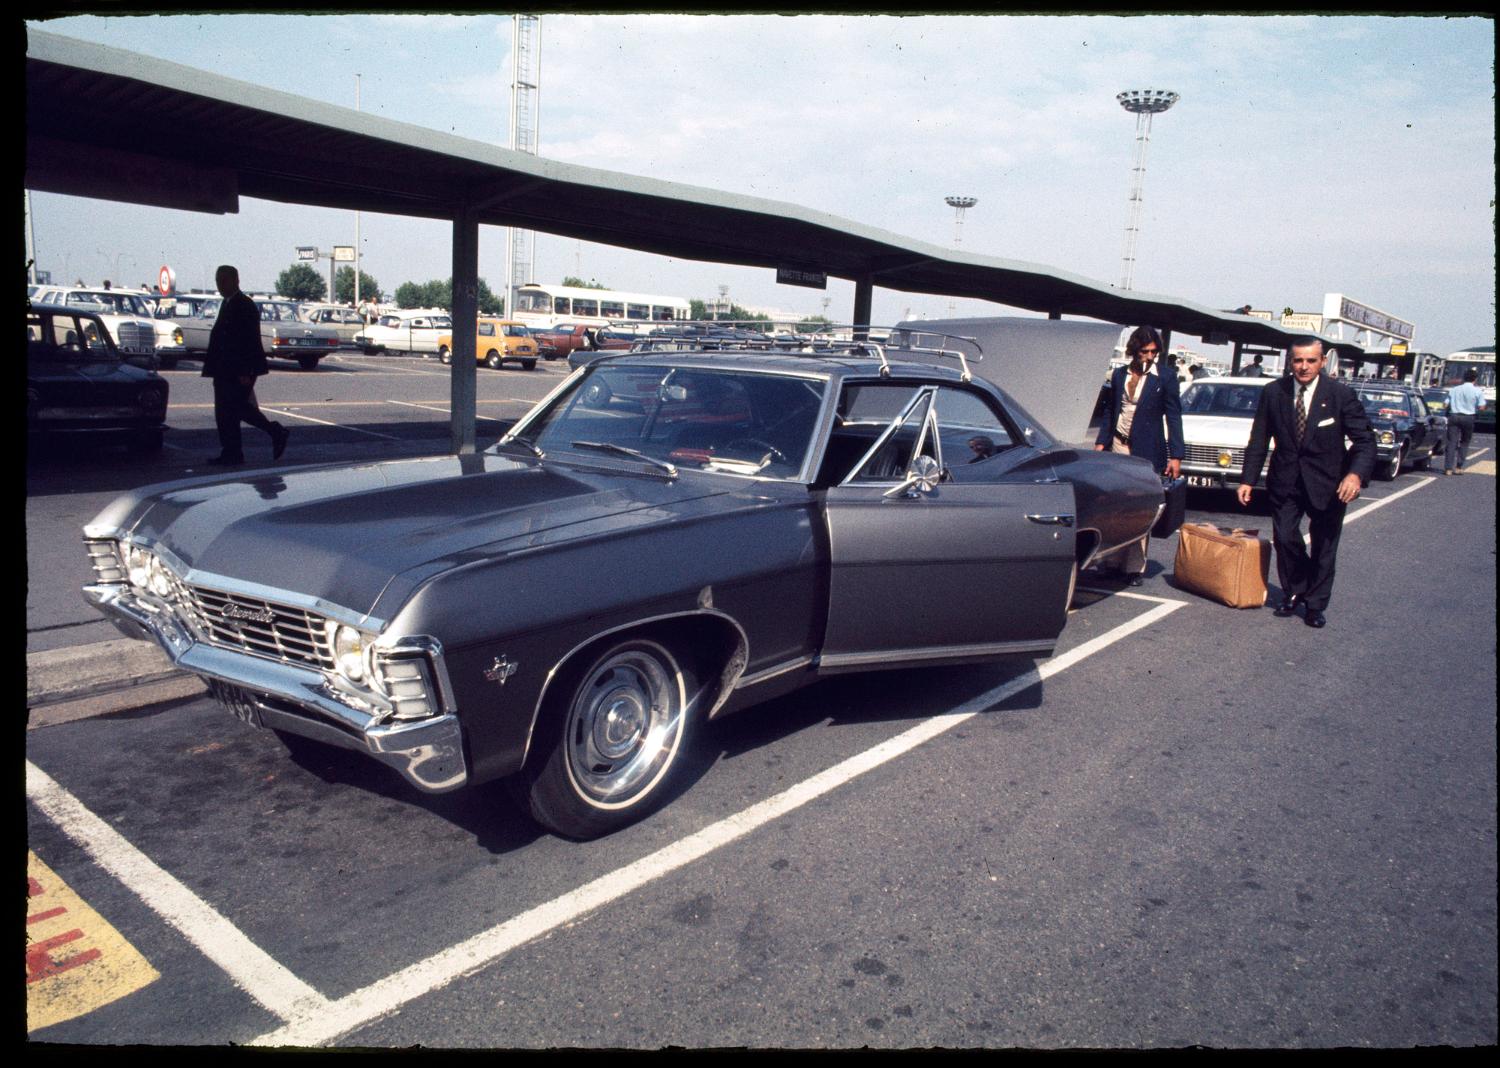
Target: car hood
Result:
[[1232, 431], [364, 536]]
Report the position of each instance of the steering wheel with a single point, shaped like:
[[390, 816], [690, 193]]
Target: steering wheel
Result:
[[758, 443]]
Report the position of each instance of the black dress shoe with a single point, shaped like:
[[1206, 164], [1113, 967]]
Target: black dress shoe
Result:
[[1134, 580], [279, 434], [1315, 618], [226, 461], [1287, 607]]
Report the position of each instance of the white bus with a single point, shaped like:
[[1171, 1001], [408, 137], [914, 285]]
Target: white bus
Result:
[[544, 306]]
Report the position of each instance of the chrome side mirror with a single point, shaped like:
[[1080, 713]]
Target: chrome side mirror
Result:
[[922, 476]]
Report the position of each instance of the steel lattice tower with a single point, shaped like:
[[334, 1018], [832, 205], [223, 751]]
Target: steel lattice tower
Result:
[[525, 122], [1143, 103]]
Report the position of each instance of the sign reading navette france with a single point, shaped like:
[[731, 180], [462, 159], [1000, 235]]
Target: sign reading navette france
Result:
[[801, 276]]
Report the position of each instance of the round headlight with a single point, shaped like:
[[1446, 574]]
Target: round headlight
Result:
[[1387, 438], [349, 653], [1225, 459], [137, 566]]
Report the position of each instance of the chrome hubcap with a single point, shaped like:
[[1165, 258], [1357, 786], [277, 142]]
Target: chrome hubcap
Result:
[[624, 725]]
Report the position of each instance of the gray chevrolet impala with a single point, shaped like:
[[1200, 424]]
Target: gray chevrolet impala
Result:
[[667, 538]]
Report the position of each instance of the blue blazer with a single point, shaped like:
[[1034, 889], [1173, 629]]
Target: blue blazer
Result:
[[1159, 405]]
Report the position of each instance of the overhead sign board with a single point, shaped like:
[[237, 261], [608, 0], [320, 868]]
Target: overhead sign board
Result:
[[1306, 322], [801, 276], [307, 252], [343, 253], [1338, 306]]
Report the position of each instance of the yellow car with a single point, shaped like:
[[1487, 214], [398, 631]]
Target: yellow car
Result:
[[495, 341]]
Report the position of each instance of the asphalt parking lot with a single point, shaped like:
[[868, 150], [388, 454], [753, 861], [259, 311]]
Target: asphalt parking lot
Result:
[[1192, 825]]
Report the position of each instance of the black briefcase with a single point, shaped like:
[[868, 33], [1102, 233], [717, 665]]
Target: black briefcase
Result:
[[1175, 490]]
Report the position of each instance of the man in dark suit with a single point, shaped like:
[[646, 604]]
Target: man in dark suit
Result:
[[1308, 415], [234, 361]]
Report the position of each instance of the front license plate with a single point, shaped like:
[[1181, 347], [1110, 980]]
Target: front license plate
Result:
[[1205, 482]]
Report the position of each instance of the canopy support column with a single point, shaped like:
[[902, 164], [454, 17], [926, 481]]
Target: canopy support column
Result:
[[464, 378], [864, 293]]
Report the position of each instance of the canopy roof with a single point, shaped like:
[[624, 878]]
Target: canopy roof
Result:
[[211, 140]]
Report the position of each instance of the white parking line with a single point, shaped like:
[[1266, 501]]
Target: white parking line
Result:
[[1383, 501], [248, 966], [324, 422], [324, 1023]]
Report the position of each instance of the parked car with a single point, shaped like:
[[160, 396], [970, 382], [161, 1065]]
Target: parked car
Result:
[[347, 322], [284, 335], [563, 340], [131, 321], [407, 331], [1406, 430], [194, 314], [1216, 417], [78, 381], [495, 341], [666, 539]]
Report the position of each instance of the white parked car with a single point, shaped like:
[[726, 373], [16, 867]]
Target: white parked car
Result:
[[131, 320], [1216, 417], [347, 321], [284, 335], [194, 313], [409, 330]]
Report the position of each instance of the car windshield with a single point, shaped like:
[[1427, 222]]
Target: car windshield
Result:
[[515, 330], [734, 422], [273, 311], [1220, 398], [1384, 403], [110, 302]]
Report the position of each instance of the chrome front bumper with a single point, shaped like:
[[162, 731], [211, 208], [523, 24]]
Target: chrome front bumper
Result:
[[265, 693]]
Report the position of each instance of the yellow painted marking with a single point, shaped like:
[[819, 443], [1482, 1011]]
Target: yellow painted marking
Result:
[[75, 961], [1484, 467]]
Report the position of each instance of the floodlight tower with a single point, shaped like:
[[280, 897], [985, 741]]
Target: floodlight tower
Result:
[[525, 102], [959, 206], [1142, 103]]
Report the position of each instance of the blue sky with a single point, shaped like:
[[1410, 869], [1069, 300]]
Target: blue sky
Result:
[[1307, 155]]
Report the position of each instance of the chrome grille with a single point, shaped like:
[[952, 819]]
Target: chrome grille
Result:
[[253, 625], [1208, 455], [105, 560], [131, 337]]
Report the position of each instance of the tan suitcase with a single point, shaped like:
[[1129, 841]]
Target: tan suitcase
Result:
[[1228, 566]]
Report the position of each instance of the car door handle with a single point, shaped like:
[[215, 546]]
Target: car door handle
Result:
[[1064, 519], [1049, 480]]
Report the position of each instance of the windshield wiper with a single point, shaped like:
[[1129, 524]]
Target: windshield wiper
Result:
[[635, 454]]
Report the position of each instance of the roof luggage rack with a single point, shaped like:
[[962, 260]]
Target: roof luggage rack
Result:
[[830, 339]]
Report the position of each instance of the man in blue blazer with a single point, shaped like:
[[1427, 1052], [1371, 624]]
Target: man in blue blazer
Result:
[[1151, 426], [1308, 415]]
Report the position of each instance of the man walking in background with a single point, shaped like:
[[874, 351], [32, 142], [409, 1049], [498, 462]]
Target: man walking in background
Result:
[[234, 361], [1464, 402]]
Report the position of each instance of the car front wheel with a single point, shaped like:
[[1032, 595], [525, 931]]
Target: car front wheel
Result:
[[444, 355], [1394, 467], [615, 742]]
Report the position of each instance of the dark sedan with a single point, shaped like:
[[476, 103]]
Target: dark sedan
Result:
[[77, 382], [1406, 430], [668, 538]]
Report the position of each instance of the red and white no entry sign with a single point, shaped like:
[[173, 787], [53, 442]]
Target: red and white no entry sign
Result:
[[165, 280]]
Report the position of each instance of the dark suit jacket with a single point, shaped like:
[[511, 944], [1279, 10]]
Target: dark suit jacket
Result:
[[1320, 461], [234, 347], [1159, 402]]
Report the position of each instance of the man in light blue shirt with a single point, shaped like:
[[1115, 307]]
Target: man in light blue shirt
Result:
[[1464, 401]]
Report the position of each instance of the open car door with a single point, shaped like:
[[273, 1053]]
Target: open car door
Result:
[[927, 570]]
